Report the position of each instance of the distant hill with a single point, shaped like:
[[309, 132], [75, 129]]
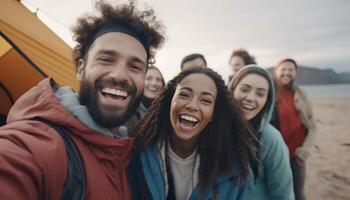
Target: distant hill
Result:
[[315, 76]]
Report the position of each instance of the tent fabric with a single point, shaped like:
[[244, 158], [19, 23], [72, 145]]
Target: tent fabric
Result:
[[12, 64], [30, 51]]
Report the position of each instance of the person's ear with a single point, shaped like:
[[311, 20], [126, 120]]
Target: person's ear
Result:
[[80, 70]]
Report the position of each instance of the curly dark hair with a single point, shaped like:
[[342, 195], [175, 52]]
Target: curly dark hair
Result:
[[248, 59], [143, 23], [224, 145]]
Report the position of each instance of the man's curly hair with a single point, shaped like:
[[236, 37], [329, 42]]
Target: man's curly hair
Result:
[[143, 23]]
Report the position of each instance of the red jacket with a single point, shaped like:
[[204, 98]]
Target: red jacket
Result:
[[33, 158]]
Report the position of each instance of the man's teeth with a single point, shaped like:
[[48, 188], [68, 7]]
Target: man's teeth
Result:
[[115, 92], [189, 118]]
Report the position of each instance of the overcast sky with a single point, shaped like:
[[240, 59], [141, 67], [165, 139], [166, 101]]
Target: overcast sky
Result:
[[314, 32]]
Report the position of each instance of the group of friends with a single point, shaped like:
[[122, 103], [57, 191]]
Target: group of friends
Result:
[[131, 135]]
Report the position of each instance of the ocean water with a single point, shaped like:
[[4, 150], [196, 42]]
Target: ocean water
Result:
[[328, 91]]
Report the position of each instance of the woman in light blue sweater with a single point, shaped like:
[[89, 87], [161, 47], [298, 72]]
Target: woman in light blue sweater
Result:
[[252, 90]]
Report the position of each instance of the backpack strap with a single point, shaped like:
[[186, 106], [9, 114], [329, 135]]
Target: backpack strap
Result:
[[74, 187]]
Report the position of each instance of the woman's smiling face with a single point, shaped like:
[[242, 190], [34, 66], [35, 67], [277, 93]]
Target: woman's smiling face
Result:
[[251, 94], [192, 106], [153, 84]]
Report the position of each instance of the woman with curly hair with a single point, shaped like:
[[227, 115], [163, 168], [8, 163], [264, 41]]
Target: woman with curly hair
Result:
[[252, 90], [187, 145]]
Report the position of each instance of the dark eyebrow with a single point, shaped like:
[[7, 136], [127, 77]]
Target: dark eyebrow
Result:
[[208, 93], [114, 53], [247, 85], [139, 60], [244, 84], [109, 52], [186, 88], [203, 93]]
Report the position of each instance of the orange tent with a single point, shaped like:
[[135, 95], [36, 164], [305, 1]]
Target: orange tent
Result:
[[29, 52]]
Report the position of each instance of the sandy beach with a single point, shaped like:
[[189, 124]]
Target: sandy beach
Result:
[[328, 168]]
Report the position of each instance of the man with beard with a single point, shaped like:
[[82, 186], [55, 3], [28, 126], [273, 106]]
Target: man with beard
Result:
[[114, 48], [294, 118]]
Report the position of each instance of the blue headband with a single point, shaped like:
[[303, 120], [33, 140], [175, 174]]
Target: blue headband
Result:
[[108, 28]]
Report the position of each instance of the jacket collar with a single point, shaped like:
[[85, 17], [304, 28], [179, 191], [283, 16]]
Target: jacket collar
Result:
[[70, 100]]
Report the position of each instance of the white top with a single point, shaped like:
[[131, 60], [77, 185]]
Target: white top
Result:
[[183, 174]]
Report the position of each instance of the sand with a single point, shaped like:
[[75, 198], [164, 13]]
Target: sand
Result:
[[328, 168]]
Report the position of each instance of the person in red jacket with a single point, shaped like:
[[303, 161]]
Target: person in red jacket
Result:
[[114, 48], [294, 118]]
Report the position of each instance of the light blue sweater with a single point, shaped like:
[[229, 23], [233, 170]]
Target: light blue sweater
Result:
[[274, 180]]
